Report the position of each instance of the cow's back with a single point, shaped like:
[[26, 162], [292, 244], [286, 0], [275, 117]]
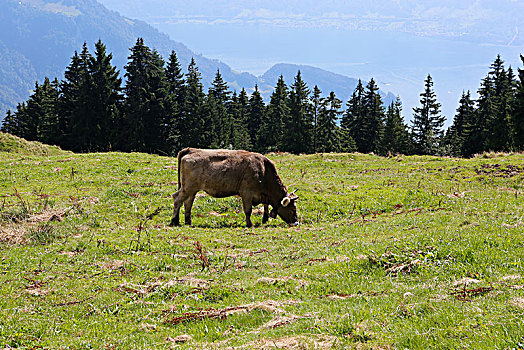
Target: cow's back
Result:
[[221, 173]]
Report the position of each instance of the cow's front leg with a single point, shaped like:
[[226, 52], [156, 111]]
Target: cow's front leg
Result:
[[188, 204], [265, 217], [178, 199], [247, 204]]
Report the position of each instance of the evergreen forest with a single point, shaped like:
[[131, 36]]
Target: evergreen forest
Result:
[[157, 108]]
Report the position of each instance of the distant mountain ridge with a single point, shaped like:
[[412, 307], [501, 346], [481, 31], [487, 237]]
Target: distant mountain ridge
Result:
[[326, 81], [38, 38]]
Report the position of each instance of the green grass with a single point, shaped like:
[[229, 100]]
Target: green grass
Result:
[[87, 260]]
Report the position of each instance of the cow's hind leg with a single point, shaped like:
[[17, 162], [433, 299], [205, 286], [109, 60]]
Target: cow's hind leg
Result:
[[188, 204], [247, 204], [178, 199], [265, 217]]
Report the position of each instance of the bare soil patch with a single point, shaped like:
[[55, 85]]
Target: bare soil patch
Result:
[[499, 170]]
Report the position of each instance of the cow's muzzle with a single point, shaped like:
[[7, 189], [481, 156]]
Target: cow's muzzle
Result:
[[294, 224]]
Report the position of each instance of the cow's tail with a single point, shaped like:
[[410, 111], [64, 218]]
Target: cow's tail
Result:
[[181, 154]]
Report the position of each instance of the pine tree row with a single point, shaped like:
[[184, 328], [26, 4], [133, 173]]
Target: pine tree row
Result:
[[495, 121], [159, 109]]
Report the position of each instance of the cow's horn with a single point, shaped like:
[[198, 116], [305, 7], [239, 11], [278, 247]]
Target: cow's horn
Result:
[[285, 202]]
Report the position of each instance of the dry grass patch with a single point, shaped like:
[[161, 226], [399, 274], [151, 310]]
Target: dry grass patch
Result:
[[32, 228], [189, 280], [518, 303], [292, 342]]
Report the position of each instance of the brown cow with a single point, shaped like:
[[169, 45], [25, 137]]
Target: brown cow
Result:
[[223, 173]]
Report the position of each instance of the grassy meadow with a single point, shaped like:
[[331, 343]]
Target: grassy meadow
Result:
[[392, 253]]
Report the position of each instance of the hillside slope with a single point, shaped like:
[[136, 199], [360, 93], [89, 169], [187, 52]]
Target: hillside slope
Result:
[[38, 37], [13, 144]]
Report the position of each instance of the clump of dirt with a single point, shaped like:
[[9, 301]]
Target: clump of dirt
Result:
[[114, 265], [183, 338], [282, 280], [499, 170], [272, 306], [36, 288], [467, 294], [407, 260]]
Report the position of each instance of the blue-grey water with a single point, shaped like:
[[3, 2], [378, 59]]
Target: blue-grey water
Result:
[[399, 62]]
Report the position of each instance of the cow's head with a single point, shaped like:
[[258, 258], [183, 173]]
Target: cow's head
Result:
[[287, 209]]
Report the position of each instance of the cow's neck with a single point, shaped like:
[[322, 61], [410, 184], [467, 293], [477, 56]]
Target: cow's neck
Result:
[[277, 193]]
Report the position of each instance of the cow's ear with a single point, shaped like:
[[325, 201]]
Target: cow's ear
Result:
[[273, 214], [285, 202]]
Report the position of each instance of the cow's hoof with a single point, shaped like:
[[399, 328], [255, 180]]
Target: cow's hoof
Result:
[[174, 223]]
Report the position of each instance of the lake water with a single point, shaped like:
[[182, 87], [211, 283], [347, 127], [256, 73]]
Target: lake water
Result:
[[399, 62]]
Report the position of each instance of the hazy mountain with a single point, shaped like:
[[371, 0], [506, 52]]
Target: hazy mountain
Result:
[[326, 81], [38, 38]]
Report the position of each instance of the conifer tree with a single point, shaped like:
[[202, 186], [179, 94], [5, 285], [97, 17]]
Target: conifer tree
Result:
[[497, 133], [427, 122], [298, 123], [175, 103], [328, 133], [47, 129], [463, 123], [157, 118], [193, 131], [22, 119], [10, 124], [233, 112], [372, 125], [30, 113], [316, 103], [145, 118], [256, 113], [211, 111], [218, 99], [238, 110], [271, 132], [81, 117], [137, 96], [518, 111], [36, 120], [396, 137], [105, 99], [352, 121], [70, 104], [476, 131]]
